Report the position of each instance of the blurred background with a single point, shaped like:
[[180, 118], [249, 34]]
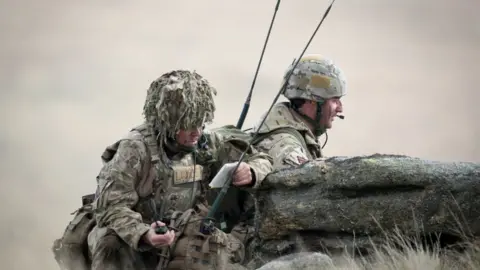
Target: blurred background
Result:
[[74, 77]]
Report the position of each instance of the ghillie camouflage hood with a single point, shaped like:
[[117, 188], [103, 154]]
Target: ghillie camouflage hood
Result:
[[180, 99]]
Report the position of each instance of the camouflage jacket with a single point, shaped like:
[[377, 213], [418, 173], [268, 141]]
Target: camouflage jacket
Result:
[[286, 138], [135, 173]]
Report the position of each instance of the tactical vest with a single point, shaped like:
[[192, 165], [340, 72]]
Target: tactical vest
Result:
[[166, 185], [160, 177]]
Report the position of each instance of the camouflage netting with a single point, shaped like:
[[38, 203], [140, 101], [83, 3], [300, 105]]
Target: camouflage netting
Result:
[[180, 99]]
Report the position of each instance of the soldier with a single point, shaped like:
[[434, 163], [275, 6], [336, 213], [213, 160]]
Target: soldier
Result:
[[158, 175], [290, 132]]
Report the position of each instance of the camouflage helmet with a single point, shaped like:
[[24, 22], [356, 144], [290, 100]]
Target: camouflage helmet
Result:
[[179, 99], [314, 78]]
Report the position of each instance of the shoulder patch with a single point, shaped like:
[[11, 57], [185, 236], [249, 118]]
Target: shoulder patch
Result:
[[185, 174], [295, 156]]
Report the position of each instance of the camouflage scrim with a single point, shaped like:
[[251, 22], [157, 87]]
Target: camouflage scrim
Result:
[[314, 78], [180, 99]]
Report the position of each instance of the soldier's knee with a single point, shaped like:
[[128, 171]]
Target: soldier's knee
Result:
[[69, 256], [112, 252], [110, 245]]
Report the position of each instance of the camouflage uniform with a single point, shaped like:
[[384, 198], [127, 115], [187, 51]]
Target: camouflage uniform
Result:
[[286, 138], [147, 173]]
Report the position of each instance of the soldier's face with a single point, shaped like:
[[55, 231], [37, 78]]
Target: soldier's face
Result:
[[188, 137], [330, 108]]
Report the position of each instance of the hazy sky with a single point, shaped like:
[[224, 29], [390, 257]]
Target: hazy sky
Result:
[[74, 78]]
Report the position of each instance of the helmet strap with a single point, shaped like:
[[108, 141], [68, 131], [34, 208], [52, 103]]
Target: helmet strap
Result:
[[319, 130]]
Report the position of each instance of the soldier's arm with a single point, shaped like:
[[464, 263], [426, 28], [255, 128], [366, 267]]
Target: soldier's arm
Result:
[[285, 149], [261, 164], [117, 194]]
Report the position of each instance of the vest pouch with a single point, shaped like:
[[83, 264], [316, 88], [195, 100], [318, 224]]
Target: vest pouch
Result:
[[71, 251], [78, 229], [197, 251]]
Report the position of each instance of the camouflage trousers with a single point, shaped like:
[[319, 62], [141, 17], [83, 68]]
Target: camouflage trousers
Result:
[[191, 250], [113, 253]]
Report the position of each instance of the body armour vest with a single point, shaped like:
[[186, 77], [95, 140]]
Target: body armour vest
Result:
[[167, 184]]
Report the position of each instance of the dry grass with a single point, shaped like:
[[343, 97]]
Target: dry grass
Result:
[[402, 253], [398, 252]]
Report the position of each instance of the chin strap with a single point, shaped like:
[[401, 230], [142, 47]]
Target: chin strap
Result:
[[319, 130]]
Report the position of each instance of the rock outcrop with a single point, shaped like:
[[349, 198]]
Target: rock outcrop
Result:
[[352, 202]]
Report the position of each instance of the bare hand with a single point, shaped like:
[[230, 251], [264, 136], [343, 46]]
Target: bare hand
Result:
[[243, 175], [159, 240]]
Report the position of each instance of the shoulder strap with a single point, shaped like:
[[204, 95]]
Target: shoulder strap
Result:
[[148, 184], [230, 133], [145, 186], [150, 141], [288, 130], [241, 138]]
